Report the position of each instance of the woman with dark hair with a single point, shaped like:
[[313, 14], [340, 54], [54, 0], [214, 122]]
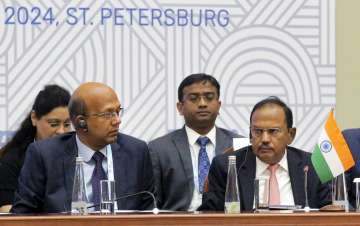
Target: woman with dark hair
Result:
[[49, 117]]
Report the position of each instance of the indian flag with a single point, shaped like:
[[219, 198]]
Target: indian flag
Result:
[[331, 156]]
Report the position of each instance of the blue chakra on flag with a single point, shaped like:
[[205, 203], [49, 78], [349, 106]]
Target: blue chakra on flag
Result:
[[325, 146]]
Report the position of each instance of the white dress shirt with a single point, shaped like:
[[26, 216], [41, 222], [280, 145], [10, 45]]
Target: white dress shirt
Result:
[[194, 151], [282, 176]]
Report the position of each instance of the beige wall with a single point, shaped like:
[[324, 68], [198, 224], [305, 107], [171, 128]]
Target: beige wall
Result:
[[348, 63]]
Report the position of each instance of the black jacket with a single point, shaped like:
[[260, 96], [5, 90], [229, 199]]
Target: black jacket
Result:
[[319, 194]]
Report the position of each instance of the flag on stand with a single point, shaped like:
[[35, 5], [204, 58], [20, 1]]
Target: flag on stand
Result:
[[331, 156]]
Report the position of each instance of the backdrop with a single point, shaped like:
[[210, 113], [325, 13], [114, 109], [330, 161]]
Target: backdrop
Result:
[[143, 49]]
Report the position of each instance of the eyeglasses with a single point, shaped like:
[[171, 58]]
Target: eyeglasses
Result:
[[258, 132], [195, 98], [109, 114]]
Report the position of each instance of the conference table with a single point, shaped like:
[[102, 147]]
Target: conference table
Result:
[[190, 219]]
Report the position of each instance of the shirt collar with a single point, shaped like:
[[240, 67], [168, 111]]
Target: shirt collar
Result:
[[193, 135], [86, 152], [261, 166]]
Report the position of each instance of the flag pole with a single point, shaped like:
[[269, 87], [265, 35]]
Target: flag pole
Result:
[[344, 182], [345, 193]]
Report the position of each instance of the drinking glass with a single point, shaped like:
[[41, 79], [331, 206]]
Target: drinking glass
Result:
[[107, 191], [261, 193]]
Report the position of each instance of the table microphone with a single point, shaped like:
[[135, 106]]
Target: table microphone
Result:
[[307, 207], [155, 210]]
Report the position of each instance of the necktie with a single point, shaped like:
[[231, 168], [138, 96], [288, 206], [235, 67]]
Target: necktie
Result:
[[203, 162], [274, 198], [98, 174]]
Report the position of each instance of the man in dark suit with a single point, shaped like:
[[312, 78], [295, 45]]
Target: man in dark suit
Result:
[[46, 179], [269, 156], [352, 137], [179, 171]]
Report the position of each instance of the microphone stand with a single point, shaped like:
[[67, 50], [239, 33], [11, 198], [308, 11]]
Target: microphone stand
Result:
[[155, 210], [307, 207]]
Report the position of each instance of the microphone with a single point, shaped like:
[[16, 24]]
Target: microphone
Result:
[[307, 207], [155, 210]]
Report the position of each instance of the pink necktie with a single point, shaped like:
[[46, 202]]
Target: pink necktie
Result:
[[274, 198]]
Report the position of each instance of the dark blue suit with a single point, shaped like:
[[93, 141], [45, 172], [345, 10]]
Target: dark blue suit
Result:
[[352, 137], [46, 179], [318, 194]]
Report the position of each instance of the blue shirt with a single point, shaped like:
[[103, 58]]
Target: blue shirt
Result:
[[89, 164]]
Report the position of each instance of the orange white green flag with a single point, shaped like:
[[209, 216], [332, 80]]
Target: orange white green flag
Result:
[[331, 156]]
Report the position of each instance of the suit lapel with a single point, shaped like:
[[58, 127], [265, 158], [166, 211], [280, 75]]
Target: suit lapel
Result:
[[246, 178], [296, 174], [223, 141], [182, 146], [120, 172], [69, 167]]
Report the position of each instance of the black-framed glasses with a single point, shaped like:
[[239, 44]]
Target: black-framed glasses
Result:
[[258, 132], [108, 114], [195, 97]]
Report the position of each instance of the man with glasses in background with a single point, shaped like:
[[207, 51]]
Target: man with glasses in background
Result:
[[270, 156], [46, 179], [181, 159]]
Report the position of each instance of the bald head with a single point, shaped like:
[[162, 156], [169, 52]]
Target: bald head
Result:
[[95, 112], [90, 93]]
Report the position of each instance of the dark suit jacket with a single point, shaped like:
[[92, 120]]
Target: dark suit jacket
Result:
[[352, 137], [319, 195], [46, 179], [172, 165]]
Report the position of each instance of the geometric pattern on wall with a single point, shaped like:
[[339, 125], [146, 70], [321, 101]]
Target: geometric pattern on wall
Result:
[[269, 47]]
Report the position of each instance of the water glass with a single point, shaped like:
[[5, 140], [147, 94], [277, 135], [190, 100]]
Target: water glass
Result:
[[339, 193], [261, 193], [107, 191], [357, 187]]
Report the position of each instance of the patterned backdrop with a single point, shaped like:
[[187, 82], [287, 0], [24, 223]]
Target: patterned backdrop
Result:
[[268, 47]]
